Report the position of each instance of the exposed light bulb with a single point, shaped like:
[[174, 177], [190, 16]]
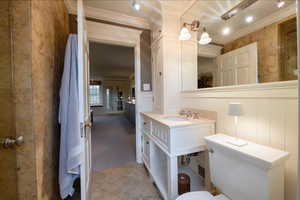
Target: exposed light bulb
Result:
[[136, 5], [280, 3], [226, 31], [184, 34], [249, 19], [205, 38]]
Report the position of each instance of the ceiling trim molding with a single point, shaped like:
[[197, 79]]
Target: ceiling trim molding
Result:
[[110, 34], [108, 15]]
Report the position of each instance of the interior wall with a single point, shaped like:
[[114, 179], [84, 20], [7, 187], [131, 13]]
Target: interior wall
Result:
[[268, 44], [34, 34], [146, 69], [270, 117], [8, 174], [21, 46], [145, 47], [49, 33]]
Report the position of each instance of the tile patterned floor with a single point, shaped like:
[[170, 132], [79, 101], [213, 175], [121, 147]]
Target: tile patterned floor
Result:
[[127, 182]]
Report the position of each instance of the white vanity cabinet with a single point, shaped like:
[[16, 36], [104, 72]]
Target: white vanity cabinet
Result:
[[164, 141], [146, 150], [161, 135], [178, 141]]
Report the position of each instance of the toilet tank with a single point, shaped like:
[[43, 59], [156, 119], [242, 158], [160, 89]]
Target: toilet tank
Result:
[[250, 172]]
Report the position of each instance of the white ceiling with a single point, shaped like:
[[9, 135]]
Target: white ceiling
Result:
[[110, 61], [209, 13], [150, 9]]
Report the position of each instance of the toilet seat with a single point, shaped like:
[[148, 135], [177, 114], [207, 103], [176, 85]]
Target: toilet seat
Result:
[[201, 195]]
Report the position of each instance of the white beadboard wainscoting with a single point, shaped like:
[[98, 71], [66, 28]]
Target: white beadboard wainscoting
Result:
[[270, 117]]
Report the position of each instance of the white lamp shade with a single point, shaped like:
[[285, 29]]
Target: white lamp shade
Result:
[[184, 34], [234, 109], [205, 38]]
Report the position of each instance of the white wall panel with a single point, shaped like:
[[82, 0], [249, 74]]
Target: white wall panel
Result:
[[270, 117]]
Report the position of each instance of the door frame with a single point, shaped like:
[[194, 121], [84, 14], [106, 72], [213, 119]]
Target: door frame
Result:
[[122, 36]]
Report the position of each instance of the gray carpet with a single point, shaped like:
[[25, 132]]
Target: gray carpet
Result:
[[113, 142]]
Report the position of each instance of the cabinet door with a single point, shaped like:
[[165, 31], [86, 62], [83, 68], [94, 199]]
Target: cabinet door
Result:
[[146, 150], [157, 62]]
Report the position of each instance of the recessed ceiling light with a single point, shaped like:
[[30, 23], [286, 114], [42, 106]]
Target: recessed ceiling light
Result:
[[226, 31], [249, 19], [280, 3]]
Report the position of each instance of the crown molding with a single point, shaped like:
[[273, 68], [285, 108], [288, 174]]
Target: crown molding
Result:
[[107, 15]]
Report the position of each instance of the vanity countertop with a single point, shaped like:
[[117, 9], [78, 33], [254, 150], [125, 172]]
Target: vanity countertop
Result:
[[173, 123]]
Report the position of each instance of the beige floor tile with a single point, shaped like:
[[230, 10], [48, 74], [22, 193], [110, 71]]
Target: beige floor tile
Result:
[[128, 182]]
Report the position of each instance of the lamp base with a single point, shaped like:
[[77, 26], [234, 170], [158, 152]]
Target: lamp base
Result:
[[237, 142]]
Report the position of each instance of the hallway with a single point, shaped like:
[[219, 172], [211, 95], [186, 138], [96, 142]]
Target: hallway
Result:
[[113, 142]]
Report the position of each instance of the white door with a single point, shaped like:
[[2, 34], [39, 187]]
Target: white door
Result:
[[239, 66], [84, 109]]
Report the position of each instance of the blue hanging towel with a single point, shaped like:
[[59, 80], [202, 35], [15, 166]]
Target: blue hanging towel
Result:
[[71, 148]]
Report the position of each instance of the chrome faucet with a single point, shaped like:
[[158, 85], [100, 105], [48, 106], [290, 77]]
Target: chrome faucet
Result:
[[189, 114]]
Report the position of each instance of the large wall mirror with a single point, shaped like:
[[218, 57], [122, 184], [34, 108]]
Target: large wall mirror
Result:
[[235, 42]]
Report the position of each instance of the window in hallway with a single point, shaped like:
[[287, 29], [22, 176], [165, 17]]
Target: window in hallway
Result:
[[95, 95]]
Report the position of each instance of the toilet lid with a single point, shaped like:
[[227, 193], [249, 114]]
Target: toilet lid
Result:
[[220, 197], [202, 195]]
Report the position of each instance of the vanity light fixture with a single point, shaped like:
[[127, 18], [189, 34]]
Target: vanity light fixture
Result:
[[204, 38], [184, 32], [235, 110], [249, 19], [280, 3], [226, 31], [136, 5]]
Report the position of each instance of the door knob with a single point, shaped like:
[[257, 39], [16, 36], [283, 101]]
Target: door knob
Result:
[[9, 142]]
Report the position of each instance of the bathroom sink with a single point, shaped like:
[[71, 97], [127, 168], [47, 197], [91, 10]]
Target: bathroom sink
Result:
[[175, 118]]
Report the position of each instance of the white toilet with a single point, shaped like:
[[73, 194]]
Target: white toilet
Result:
[[250, 172]]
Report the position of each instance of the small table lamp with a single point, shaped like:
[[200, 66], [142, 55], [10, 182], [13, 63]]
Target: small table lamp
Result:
[[235, 110]]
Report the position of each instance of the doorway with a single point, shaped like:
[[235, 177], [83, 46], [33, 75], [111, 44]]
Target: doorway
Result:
[[112, 101], [113, 182]]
